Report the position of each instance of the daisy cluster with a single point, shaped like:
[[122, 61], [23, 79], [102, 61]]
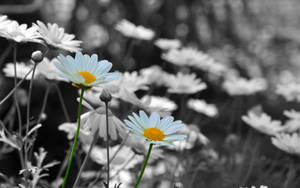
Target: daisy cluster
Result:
[[155, 93]]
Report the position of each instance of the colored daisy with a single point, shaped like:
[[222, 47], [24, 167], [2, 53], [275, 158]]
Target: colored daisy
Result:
[[85, 71], [153, 129]]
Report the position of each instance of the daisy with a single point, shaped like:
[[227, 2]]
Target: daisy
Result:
[[22, 70], [184, 83], [153, 75], [188, 56], [128, 29], [202, 107], [153, 129], [47, 69], [159, 103], [167, 44], [12, 30], [56, 37], [287, 142], [263, 123], [96, 120], [290, 91], [85, 71], [241, 86], [293, 123]]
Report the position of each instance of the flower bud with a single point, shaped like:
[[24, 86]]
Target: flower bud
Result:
[[105, 96], [37, 56]]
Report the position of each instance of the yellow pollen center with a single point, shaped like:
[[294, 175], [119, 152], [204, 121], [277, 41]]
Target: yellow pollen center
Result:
[[154, 134], [88, 77]]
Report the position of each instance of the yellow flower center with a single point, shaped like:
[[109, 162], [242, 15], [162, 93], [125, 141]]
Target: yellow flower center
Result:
[[88, 77], [154, 134]]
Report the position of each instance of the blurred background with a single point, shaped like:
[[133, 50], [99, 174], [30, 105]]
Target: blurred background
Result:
[[257, 38]]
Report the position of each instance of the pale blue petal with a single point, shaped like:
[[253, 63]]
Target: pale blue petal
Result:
[[164, 123], [175, 137], [154, 119], [133, 126]]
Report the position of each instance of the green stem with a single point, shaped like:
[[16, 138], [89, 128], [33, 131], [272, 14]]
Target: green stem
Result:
[[75, 140], [144, 166]]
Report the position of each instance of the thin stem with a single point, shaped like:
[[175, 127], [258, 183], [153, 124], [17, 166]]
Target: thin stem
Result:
[[44, 103], [26, 145], [16, 87], [62, 102], [29, 99], [144, 166], [107, 143], [75, 140], [15, 84], [95, 138]]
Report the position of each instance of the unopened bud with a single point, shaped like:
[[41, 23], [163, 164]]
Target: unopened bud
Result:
[[105, 96], [37, 56]]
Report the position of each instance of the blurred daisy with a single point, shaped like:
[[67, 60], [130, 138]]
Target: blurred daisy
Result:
[[293, 123], [153, 129], [96, 120], [11, 30], [131, 81], [125, 88], [128, 29], [184, 83], [202, 107], [22, 70], [183, 57], [159, 103], [167, 44], [189, 56], [124, 155], [85, 71], [47, 69], [263, 123], [287, 142], [153, 75], [290, 91], [56, 37], [194, 137], [242, 86]]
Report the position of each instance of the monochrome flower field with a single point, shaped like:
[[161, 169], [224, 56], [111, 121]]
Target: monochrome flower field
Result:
[[149, 94]]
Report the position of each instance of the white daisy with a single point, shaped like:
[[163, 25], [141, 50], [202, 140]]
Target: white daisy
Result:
[[202, 107], [263, 123], [96, 120], [242, 86], [153, 75], [160, 104], [128, 29], [184, 83], [85, 71], [56, 37], [47, 69], [11, 30], [290, 91], [188, 56], [167, 44], [22, 70], [287, 142], [153, 129]]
